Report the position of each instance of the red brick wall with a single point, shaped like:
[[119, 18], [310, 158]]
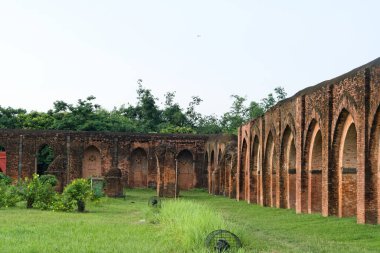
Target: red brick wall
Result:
[[335, 174]]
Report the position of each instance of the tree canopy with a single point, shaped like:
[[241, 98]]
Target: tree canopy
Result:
[[143, 117]]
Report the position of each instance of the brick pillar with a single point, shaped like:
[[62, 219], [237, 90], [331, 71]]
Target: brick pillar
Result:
[[248, 168], [238, 169], [360, 198], [20, 151], [300, 125], [262, 162], [327, 153], [68, 162]]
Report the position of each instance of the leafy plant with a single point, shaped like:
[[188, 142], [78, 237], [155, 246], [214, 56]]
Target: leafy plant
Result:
[[8, 195], [38, 191], [79, 190], [5, 179]]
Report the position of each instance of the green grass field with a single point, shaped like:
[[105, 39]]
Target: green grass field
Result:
[[129, 225]]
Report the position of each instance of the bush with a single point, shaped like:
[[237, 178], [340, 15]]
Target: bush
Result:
[[63, 203], [5, 179], [8, 195], [38, 191], [79, 190], [49, 179]]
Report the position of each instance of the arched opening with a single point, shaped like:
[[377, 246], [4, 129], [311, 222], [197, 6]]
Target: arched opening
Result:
[[254, 170], [185, 170], [371, 174], [315, 171], [217, 176], [92, 163], [267, 172], [284, 167], [211, 174], [233, 175], [204, 179], [3, 160], [227, 178], [139, 166], [287, 180], [243, 163], [349, 164], [291, 168], [45, 157], [274, 175], [342, 176], [222, 175]]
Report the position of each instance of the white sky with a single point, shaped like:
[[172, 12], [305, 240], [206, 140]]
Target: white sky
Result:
[[66, 50]]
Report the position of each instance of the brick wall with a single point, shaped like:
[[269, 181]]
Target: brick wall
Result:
[[318, 150]]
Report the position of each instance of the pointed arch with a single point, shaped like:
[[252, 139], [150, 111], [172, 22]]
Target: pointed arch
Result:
[[211, 173], [287, 182], [254, 171], [186, 178], [205, 171], [242, 169], [91, 163], [314, 168], [267, 171], [372, 208], [45, 156], [342, 177], [139, 168]]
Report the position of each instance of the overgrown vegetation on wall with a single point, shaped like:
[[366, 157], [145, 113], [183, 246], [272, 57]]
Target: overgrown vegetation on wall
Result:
[[144, 117]]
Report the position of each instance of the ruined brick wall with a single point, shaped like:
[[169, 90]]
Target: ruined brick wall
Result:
[[143, 160], [317, 151]]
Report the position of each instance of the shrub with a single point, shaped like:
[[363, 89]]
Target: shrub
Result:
[[79, 190], [5, 179], [8, 195], [38, 191], [49, 179], [63, 203]]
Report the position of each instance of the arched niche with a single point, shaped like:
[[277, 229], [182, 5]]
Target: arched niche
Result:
[[139, 168], [211, 173], [186, 174], [343, 176], [205, 171], [267, 171], [315, 162], [254, 170], [243, 168], [92, 162], [45, 156], [372, 208]]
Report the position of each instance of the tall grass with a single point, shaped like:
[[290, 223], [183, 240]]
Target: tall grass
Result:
[[188, 223]]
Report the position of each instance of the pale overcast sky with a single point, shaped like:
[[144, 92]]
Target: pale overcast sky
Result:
[[66, 50]]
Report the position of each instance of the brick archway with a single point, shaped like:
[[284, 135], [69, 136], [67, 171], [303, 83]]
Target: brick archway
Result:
[[372, 208], [186, 173], [343, 175], [254, 170], [242, 170], [92, 162], [139, 168], [267, 172], [315, 170]]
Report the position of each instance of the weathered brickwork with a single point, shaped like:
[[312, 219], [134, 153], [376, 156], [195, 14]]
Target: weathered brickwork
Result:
[[166, 162], [317, 151]]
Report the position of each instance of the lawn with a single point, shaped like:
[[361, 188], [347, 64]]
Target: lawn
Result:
[[129, 225]]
